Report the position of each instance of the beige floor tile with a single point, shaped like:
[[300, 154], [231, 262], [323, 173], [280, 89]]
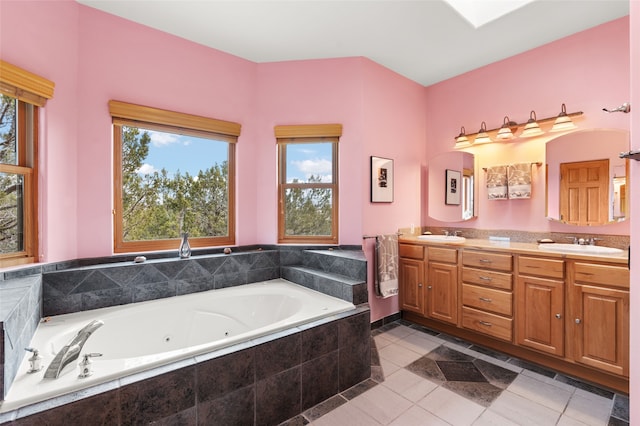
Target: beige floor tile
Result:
[[409, 385], [568, 421], [388, 367], [398, 333], [418, 342], [416, 416], [543, 393], [589, 408], [382, 341], [346, 414], [522, 411], [451, 407], [490, 418], [502, 364], [399, 355], [382, 404], [548, 380]]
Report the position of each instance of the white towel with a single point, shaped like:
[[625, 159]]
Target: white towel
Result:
[[497, 188], [386, 265], [519, 180]]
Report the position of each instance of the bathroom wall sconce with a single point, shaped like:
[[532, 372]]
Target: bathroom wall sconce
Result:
[[482, 136], [507, 129], [561, 122]]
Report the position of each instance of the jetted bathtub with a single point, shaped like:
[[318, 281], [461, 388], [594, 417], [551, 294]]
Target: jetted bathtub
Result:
[[145, 335]]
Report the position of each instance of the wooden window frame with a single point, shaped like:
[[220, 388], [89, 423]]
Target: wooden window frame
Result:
[[32, 92], [300, 134], [126, 114]]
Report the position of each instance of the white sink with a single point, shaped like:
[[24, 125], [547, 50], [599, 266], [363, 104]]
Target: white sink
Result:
[[580, 249], [442, 238]]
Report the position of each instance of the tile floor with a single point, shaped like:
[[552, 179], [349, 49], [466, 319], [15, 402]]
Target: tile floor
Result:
[[422, 377]]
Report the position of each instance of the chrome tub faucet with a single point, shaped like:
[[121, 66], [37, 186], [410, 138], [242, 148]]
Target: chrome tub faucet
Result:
[[71, 351]]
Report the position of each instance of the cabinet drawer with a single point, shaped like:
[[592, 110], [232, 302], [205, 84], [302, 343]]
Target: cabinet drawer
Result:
[[410, 251], [500, 262], [487, 299], [484, 322], [589, 273], [487, 278], [551, 268], [445, 255]]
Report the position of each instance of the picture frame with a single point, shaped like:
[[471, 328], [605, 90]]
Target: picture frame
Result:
[[381, 180], [453, 187]]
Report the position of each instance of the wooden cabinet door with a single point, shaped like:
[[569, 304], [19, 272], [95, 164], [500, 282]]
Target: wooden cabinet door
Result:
[[411, 281], [442, 292], [540, 314], [601, 328]]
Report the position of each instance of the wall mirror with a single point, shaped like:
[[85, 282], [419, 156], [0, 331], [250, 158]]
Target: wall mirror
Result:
[[452, 187], [587, 180]]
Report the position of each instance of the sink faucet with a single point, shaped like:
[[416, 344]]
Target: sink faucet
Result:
[[71, 351]]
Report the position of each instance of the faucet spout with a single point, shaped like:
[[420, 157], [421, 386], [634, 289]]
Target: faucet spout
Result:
[[71, 351]]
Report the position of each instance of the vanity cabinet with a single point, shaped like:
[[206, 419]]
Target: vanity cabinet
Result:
[[411, 278], [599, 321], [487, 293], [442, 284], [540, 304]]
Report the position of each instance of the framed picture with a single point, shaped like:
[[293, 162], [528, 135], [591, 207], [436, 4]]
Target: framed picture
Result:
[[453, 187], [381, 180]]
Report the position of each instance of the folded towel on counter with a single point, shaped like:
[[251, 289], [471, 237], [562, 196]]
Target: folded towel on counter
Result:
[[386, 259], [519, 177], [497, 188]]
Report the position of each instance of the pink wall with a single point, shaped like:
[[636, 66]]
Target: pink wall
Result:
[[569, 71], [634, 94]]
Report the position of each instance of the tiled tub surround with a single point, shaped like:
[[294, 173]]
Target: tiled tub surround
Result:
[[70, 287], [262, 382]]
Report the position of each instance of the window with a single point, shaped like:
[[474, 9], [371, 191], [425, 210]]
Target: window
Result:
[[21, 93], [308, 183], [174, 173]]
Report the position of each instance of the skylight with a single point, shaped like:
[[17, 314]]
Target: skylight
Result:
[[481, 12]]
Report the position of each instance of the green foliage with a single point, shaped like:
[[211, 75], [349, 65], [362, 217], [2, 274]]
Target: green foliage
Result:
[[162, 206], [308, 210]]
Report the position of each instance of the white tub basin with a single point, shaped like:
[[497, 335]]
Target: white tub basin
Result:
[[442, 238], [580, 249]]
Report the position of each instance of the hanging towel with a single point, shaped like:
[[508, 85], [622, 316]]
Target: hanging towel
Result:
[[519, 180], [386, 265], [497, 188]]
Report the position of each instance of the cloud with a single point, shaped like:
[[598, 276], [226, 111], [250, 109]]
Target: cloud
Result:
[[159, 139], [146, 169], [313, 167]]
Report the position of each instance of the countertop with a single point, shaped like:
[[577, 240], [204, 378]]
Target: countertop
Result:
[[520, 248]]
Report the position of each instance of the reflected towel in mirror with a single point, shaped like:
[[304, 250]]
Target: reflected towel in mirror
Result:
[[497, 188], [386, 264]]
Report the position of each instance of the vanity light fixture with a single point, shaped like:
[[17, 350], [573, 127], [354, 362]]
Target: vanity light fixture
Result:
[[507, 129], [563, 122], [532, 128], [482, 135], [462, 137]]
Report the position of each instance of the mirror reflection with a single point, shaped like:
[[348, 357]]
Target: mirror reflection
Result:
[[451, 187], [586, 178]]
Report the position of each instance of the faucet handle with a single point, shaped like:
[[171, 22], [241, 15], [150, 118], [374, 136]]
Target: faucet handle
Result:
[[35, 361], [573, 239], [592, 241], [456, 233], [85, 364]]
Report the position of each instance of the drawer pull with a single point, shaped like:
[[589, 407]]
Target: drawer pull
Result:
[[485, 323], [558, 316], [485, 278], [485, 261], [578, 320], [533, 267], [485, 299]]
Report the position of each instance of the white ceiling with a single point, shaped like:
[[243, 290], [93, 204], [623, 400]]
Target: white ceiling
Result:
[[425, 40]]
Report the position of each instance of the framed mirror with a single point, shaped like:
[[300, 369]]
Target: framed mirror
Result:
[[451, 187], [586, 180]]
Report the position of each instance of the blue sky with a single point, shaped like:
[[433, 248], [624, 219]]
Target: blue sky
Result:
[[191, 154]]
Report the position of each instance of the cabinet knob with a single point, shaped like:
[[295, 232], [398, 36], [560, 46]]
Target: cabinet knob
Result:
[[419, 284], [578, 320], [429, 287], [558, 316]]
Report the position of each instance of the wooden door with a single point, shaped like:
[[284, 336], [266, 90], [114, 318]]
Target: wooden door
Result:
[[602, 328], [540, 314], [442, 292], [411, 281], [584, 192]]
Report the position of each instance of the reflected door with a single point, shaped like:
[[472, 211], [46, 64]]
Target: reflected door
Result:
[[584, 192]]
